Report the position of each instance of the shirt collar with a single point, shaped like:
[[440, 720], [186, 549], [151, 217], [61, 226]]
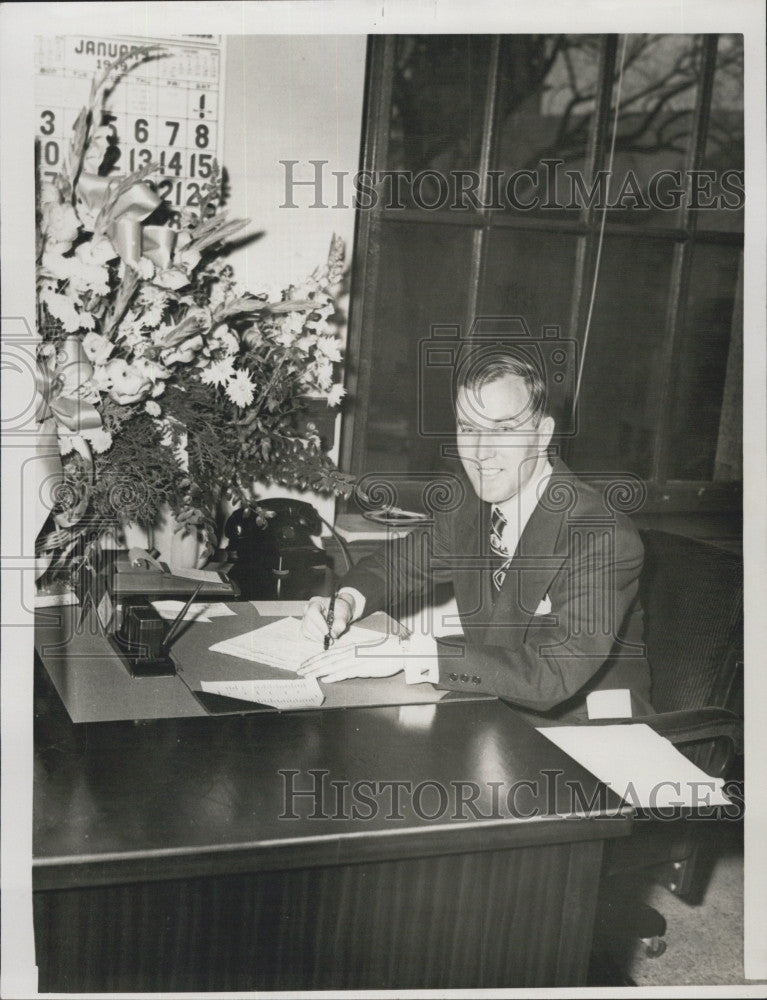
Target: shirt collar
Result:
[[518, 509]]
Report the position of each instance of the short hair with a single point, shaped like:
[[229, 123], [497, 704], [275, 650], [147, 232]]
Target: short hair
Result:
[[481, 366]]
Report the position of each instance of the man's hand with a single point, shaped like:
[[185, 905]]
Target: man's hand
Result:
[[315, 621], [345, 663]]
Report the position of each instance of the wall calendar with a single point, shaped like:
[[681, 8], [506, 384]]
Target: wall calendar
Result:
[[165, 110]]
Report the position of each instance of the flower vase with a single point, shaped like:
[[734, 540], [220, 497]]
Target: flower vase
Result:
[[179, 548]]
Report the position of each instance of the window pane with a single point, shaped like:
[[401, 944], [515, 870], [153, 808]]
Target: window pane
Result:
[[545, 101], [724, 145], [530, 274], [657, 100], [423, 281], [438, 99], [698, 415], [621, 384]]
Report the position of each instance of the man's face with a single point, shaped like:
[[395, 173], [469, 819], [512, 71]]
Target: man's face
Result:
[[500, 446]]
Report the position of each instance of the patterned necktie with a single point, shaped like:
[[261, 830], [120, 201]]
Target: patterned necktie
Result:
[[497, 524]]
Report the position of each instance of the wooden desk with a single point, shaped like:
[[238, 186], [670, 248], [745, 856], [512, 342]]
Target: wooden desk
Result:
[[162, 863]]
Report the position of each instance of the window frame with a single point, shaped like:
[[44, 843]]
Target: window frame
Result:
[[664, 494]]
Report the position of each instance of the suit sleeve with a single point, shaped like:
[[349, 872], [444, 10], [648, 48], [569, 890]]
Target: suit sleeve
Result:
[[548, 661], [401, 568]]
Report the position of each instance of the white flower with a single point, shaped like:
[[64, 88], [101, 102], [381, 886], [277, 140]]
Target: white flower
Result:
[[152, 408], [188, 260], [59, 224], [173, 278], [285, 337], [89, 277], [54, 264], [304, 290], [97, 347], [49, 193], [223, 339], [66, 442], [217, 372], [319, 326], [96, 251], [64, 309], [240, 389], [139, 346], [100, 439], [145, 268], [294, 322], [153, 301], [101, 378], [184, 353], [150, 369], [329, 347], [162, 333], [324, 375], [336, 394], [307, 342], [127, 385]]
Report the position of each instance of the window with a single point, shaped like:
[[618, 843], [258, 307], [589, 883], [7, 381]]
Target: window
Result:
[[503, 146]]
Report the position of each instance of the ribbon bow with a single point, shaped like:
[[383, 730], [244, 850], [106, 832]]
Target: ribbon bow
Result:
[[131, 239], [59, 390]]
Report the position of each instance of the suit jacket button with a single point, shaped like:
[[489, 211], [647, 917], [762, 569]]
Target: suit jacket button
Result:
[[453, 677], [465, 678], [476, 680]]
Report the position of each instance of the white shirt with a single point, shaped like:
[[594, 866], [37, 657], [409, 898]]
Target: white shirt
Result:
[[421, 664], [519, 509]]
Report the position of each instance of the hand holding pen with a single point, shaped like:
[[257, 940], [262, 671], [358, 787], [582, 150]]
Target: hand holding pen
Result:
[[327, 642], [320, 626]]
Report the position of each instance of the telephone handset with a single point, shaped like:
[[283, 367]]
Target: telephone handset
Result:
[[274, 556]]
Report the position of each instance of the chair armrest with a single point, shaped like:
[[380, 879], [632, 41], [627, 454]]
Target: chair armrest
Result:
[[697, 726], [694, 726]]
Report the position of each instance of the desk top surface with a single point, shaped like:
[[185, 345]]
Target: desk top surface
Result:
[[122, 801], [96, 686]]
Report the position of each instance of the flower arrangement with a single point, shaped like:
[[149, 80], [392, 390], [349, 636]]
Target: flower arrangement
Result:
[[170, 385]]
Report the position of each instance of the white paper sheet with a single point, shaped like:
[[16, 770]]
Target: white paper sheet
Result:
[[280, 609], [202, 612], [281, 644], [643, 767], [302, 692]]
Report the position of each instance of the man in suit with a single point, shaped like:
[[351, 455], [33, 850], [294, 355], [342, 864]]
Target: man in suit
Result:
[[545, 571]]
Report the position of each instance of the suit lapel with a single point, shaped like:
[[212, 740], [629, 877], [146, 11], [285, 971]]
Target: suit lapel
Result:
[[473, 584], [537, 560]]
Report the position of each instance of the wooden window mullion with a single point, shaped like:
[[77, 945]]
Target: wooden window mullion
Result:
[[681, 268], [365, 276]]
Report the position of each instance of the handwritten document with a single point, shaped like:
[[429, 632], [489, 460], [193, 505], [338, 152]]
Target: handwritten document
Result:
[[303, 692], [281, 644]]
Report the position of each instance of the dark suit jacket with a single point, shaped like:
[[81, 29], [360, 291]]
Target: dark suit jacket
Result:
[[577, 554]]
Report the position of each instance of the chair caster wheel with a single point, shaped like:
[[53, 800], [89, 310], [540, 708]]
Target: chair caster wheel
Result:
[[653, 946]]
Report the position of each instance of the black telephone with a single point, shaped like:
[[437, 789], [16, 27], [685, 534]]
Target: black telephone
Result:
[[275, 557]]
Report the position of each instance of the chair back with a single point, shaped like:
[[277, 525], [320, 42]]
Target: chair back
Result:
[[692, 595]]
